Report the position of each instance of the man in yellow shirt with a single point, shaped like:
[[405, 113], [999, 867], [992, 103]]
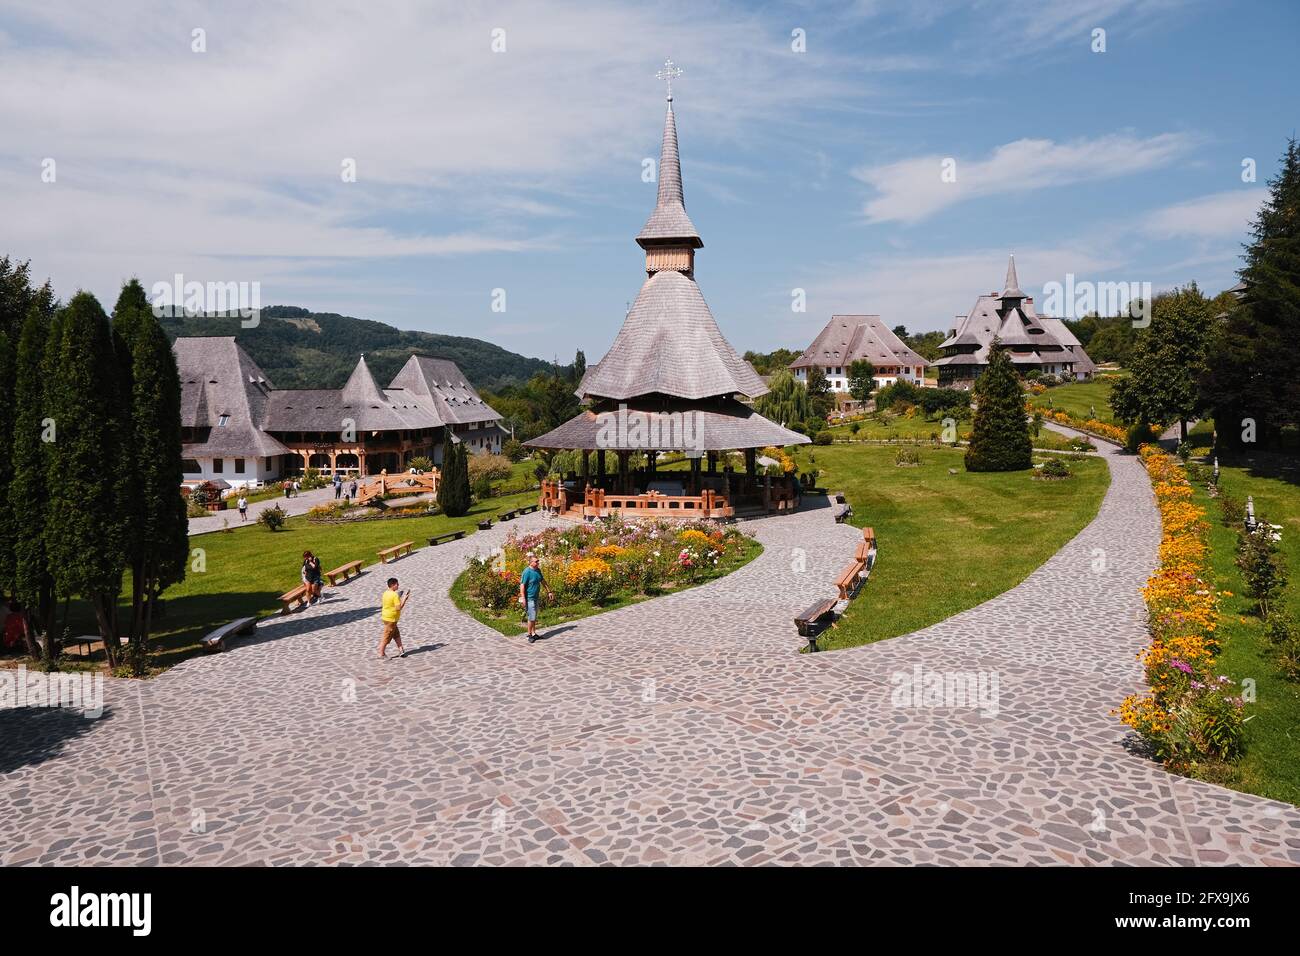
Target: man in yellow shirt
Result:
[[394, 601]]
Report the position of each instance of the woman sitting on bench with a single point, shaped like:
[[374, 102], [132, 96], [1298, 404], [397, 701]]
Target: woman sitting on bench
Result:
[[311, 576]]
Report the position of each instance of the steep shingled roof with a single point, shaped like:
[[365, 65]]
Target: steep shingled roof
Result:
[[443, 385], [219, 381], [670, 344], [848, 338], [669, 220]]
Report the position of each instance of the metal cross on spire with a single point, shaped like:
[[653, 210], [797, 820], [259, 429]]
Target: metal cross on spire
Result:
[[670, 72]]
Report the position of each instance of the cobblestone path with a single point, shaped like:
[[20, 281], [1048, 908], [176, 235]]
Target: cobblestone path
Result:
[[682, 730]]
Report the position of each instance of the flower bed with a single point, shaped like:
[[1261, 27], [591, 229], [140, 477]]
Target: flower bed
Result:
[[1090, 425], [591, 568], [1189, 717]]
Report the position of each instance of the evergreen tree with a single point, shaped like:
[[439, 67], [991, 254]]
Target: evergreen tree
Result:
[[862, 380], [84, 534], [579, 366], [159, 548], [1166, 362], [8, 360], [1249, 375], [28, 490], [1000, 438], [786, 401], [461, 503]]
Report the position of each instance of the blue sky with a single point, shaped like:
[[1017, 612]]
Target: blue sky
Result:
[[521, 170]]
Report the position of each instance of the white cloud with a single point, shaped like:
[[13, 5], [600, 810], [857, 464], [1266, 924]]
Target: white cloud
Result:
[[914, 189], [1217, 216]]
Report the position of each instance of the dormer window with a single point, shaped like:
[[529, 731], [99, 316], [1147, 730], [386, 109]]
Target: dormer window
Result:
[[223, 421]]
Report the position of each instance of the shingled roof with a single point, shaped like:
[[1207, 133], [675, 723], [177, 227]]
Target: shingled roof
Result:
[[669, 222], [848, 338], [443, 385], [1011, 317], [223, 390], [670, 344], [670, 353]]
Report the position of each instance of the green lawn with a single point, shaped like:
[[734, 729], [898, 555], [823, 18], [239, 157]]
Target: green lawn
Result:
[[947, 542], [510, 622], [248, 568], [1080, 398], [1271, 766], [906, 429]]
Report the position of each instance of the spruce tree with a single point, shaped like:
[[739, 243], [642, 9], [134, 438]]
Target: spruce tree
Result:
[[28, 490], [1249, 377], [84, 533], [8, 360], [444, 492], [458, 499], [1000, 439]]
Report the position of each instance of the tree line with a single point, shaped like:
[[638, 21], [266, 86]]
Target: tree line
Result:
[[91, 472]]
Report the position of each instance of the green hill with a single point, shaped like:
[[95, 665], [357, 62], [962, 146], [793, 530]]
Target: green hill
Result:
[[301, 349]]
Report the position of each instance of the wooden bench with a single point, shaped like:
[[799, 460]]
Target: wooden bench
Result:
[[78, 640], [485, 524], [346, 571], [847, 582], [842, 513], [216, 640], [438, 539], [527, 509], [813, 619], [296, 597], [508, 515], [396, 551], [836, 497]]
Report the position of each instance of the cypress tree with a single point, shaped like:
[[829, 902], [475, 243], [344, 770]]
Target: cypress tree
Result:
[[8, 360], [158, 549], [84, 534], [458, 492], [28, 491], [1000, 439], [444, 473]]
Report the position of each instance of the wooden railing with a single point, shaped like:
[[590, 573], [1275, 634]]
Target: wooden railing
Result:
[[597, 503], [401, 484]]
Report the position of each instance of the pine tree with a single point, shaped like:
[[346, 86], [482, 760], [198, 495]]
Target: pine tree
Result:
[[458, 499], [28, 491], [446, 478], [84, 534], [1000, 438], [1250, 376]]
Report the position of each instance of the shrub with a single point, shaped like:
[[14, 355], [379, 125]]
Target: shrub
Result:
[[824, 438], [1231, 510], [1054, 468], [1261, 566], [855, 427], [272, 518], [312, 479], [907, 456], [482, 487], [513, 449], [1283, 632], [493, 467]]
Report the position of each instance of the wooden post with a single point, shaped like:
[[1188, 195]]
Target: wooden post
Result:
[[585, 469], [767, 492], [651, 458], [695, 476], [713, 462], [600, 467], [622, 472]]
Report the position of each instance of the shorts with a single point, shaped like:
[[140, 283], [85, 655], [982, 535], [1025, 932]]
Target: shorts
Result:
[[530, 609], [391, 633]]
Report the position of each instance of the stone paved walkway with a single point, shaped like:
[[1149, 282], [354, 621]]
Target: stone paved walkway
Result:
[[299, 504], [682, 730]]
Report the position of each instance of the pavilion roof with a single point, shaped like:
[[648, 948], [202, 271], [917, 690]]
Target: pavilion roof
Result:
[[667, 424], [669, 222]]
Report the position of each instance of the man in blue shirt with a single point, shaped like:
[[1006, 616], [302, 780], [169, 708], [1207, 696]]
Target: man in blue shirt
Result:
[[531, 583]]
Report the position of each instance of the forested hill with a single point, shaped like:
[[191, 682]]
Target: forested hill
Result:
[[301, 349]]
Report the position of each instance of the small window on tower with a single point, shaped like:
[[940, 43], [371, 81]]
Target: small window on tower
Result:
[[223, 421]]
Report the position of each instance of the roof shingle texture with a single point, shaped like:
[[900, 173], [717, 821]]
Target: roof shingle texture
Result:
[[671, 345]]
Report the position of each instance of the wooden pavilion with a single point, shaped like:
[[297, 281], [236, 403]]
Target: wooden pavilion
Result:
[[670, 383]]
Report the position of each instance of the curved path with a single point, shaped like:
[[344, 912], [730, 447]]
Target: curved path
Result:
[[682, 730]]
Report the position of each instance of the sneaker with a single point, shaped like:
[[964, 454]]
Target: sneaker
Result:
[[532, 638]]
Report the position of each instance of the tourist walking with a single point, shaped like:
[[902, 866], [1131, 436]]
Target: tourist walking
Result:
[[531, 583], [390, 613], [311, 576], [338, 487], [285, 486], [243, 508], [297, 487]]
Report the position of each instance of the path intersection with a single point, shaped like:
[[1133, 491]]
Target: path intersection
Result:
[[683, 730]]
